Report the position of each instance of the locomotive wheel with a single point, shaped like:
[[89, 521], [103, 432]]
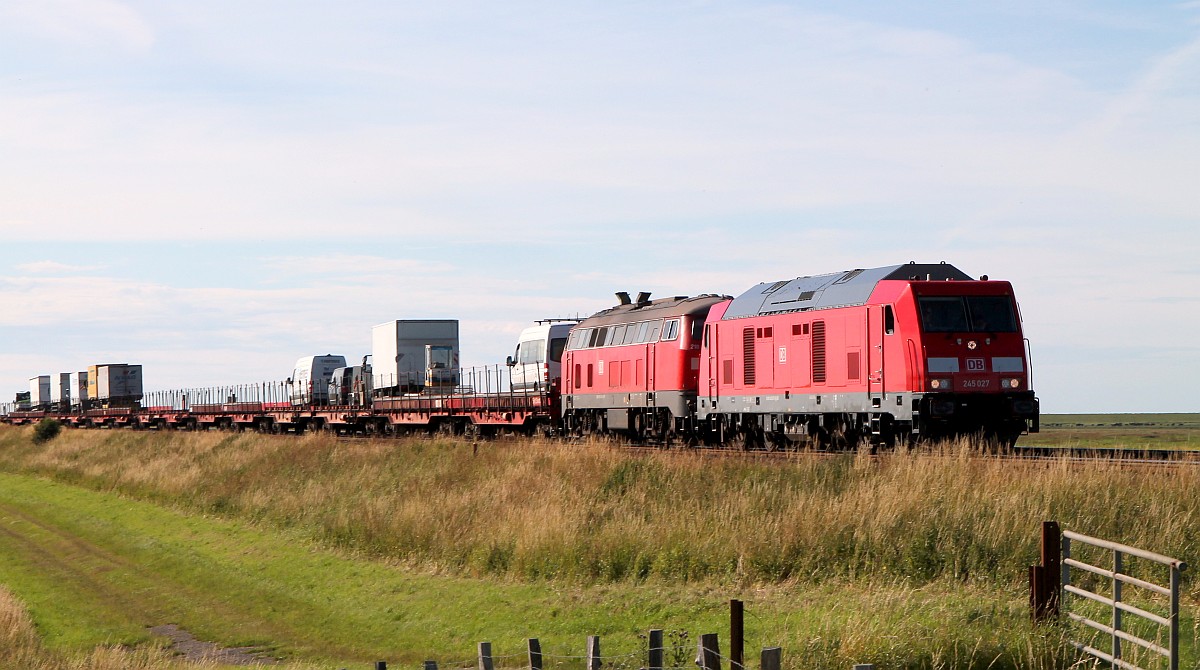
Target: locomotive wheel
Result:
[[840, 438], [744, 438], [637, 432]]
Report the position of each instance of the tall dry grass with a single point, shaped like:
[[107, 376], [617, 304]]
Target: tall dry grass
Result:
[[540, 509]]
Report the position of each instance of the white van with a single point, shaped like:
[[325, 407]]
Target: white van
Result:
[[310, 379], [537, 363]]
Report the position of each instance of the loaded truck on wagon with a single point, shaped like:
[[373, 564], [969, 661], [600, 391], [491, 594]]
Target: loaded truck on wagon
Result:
[[114, 384], [408, 356]]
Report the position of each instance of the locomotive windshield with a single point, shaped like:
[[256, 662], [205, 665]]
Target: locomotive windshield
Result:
[[970, 314]]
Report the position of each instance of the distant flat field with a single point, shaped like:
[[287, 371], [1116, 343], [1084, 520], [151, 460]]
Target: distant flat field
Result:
[[1131, 431]]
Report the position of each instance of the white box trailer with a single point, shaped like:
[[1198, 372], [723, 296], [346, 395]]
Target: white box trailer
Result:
[[409, 355], [79, 388], [115, 383], [39, 391], [60, 388]]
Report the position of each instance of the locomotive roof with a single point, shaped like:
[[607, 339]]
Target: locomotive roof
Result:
[[655, 309], [838, 289]]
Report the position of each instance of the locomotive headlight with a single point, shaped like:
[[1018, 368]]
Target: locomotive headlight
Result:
[[1011, 383], [939, 384]]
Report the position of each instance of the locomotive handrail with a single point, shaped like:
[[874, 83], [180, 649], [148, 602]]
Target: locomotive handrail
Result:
[[1029, 361]]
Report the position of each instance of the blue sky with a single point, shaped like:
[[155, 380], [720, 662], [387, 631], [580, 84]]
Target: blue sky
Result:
[[216, 189]]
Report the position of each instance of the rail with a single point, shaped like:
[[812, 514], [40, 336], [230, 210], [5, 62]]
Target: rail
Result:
[[1116, 628]]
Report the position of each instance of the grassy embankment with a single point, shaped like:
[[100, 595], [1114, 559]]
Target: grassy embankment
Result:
[[1137, 432], [907, 561]]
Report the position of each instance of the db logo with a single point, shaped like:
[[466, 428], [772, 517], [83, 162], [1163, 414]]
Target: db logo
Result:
[[975, 365]]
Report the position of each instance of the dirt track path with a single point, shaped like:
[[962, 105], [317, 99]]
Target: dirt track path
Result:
[[130, 595]]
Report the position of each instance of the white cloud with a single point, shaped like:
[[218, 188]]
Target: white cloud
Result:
[[87, 23], [55, 268], [529, 161]]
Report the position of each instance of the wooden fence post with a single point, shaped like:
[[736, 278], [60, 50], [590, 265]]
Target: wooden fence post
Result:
[[535, 653], [485, 656], [737, 639], [1052, 561], [654, 655], [709, 656], [593, 652], [772, 658]]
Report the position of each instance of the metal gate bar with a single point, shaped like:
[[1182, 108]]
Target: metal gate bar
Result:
[[1118, 578]]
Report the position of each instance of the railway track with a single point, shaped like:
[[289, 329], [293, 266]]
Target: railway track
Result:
[[1015, 453]]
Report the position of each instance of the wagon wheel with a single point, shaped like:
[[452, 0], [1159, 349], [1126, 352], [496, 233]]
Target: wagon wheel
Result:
[[470, 430]]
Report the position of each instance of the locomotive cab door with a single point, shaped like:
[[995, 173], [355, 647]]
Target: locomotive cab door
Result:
[[710, 346], [878, 326]]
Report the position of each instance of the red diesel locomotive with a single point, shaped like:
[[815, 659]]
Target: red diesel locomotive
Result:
[[916, 351], [634, 368]]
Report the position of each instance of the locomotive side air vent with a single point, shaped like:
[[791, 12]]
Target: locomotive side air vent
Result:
[[748, 376], [643, 298], [818, 352], [623, 297]]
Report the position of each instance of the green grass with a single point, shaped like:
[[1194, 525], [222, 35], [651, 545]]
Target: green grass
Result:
[[95, 569], [1135, 432], [345, 552], [1181, 420]]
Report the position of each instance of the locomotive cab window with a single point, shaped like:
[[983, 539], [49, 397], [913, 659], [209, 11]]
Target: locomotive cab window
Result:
[[943, 315], [655, 327], [670, 330], [971, 314], [991, 314], [889, 320]]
